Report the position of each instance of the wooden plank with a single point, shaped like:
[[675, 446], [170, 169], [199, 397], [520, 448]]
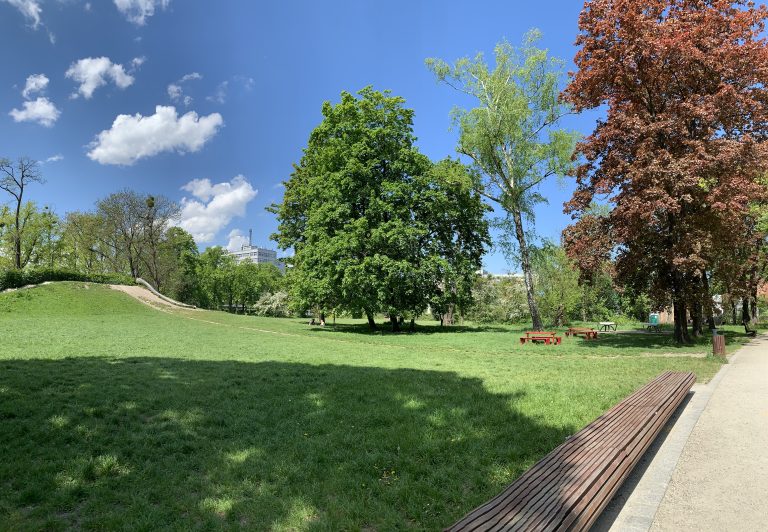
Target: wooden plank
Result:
[[592, 483], [581, 442], [598, 458], [624, 463]]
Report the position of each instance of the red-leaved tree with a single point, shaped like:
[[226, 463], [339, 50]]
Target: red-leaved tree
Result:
[[679, 153]]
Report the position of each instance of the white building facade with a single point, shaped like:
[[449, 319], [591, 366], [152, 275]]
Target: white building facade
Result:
[[257, 255]]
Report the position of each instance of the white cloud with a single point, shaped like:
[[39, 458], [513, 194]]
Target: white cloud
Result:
[[222, 89], [29, 8], [176, 89], [236, 240], [134, 137], [41, 110], [94, 72], [137, 11], [55, 158], [213, 206], [35, 83], [220, 96]]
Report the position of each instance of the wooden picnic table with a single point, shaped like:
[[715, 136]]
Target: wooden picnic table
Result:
[[588, 332], [548, 337]]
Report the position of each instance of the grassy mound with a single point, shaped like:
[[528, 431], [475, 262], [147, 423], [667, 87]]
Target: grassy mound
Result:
[[117, 415]]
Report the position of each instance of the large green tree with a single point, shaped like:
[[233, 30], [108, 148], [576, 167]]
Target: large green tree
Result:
[[374, 225], [512, 135]]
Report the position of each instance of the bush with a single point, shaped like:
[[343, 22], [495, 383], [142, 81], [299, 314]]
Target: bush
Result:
[[19, 278], [273, 305]]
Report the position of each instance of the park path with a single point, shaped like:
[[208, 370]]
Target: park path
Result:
[[721, 479]]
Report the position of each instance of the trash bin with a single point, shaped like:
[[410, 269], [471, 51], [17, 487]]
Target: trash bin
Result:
[[718, 344]]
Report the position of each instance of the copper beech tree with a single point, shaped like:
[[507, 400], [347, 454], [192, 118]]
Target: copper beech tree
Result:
[[679, 154]]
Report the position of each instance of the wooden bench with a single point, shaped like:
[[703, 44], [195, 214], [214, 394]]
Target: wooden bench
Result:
[[548, 337], [587, 332], [570, 487]]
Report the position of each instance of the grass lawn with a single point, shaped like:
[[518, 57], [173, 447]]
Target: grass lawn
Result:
[[115, 415]]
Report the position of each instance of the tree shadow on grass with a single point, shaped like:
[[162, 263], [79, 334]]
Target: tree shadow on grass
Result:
[[662, 341], [148, 443], [384, 329]]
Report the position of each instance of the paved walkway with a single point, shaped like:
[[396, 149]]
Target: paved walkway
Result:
[[708, 470], [721, 479]]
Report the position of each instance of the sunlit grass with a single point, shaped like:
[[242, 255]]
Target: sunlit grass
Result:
[[116, 415]]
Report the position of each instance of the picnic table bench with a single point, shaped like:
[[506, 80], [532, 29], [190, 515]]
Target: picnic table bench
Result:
[[606, 326], [650, 326], [548, 337], [588, 332], [570, 487]]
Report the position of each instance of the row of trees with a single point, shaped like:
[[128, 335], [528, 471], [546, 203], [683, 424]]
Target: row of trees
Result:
[[127, 233], [670, 196]]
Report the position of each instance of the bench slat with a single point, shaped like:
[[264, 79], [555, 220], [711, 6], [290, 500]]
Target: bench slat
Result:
[[569, 487], [594, 500], [541, 473]]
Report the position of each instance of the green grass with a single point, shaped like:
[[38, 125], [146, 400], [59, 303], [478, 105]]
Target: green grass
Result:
[[114, 415]]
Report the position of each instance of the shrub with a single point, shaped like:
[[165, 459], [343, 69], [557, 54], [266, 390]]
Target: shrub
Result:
[[273, 305], [19, 278]]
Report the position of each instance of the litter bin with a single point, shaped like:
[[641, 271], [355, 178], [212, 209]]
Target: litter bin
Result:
[[718, 344]]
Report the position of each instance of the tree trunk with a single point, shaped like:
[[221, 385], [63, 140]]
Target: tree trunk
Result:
[[733, 311], [709, 310], [696, 323], [744, 309], [525, 263], [679, 309], [754, 303], [448, 316], [371, 321], [395, 322], [413, 324], [17, 237], [681, 322]]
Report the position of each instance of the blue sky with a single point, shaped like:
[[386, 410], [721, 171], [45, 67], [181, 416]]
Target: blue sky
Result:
[[253, 73]]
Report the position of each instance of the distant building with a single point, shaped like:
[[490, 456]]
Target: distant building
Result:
[[256, 254]]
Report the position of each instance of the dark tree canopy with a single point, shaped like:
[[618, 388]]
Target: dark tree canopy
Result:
[[375, 226]]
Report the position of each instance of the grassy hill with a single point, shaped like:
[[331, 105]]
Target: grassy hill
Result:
[[118, 415]]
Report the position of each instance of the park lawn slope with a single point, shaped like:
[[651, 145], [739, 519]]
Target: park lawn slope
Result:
[[118, 415]]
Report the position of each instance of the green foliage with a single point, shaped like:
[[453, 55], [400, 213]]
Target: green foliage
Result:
[[498, 300], [375, 226], [18, 278], [557, 283], [253, 281], [511, 135], [178, 258]]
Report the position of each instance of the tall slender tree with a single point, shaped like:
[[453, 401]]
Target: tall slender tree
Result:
[[512, 135], [679, 153], [14, 179]]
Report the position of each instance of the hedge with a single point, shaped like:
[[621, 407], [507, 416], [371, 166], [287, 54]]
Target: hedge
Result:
[[19, 278]]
